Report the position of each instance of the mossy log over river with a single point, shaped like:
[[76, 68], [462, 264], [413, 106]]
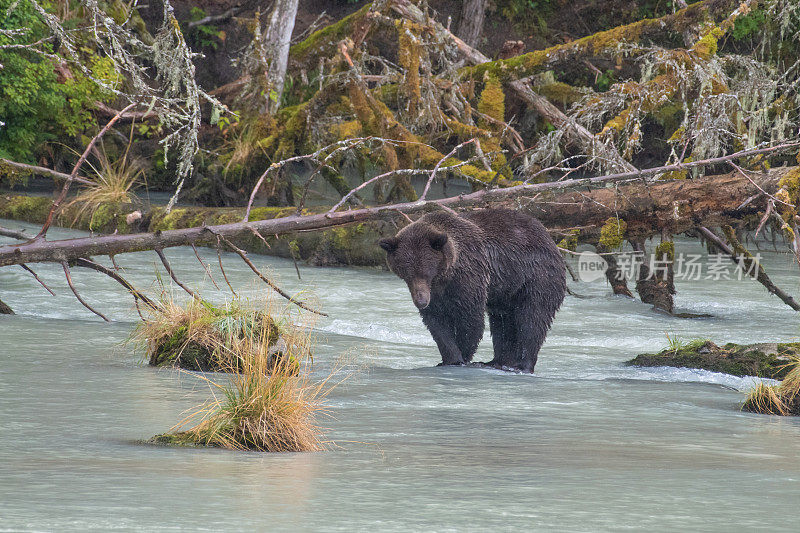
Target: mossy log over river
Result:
[[663, 206], [346, 245]]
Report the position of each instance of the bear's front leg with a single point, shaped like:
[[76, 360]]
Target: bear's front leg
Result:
[[443, 333]]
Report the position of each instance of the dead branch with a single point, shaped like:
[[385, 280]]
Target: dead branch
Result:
[[261, 237], [22, 168], [32, 273], [737, 253], [335, 148], [213, 19], [222, 269], [172, 275], [65, 265], [129, 116], [5, 232], [86, 263], [265, 279], [439, 164], [522, 89], [391, 173], [65, 189], [704, 206], [205, 266]]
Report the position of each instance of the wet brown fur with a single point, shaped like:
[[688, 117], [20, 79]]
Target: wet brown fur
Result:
[[493, 260]]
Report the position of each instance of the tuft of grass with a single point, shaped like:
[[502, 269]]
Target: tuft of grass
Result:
[[782, 399], [243, 147], [197, 335], [268, 403], [674, 343], [114, 184]]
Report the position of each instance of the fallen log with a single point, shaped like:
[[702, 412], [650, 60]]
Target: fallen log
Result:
[[648, 209], [663, 206]]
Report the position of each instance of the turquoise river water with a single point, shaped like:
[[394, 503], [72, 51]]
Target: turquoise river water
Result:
[[585, 444]]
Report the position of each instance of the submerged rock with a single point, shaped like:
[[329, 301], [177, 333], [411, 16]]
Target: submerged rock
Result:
[[768, 360], [183, 439]]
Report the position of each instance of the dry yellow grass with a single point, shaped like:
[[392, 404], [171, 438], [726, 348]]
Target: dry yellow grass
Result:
[[114, 184], [782, 399], [197, 335], [268, 403]]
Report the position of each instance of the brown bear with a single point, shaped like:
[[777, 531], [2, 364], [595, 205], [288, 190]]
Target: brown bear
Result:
[[458, 267]]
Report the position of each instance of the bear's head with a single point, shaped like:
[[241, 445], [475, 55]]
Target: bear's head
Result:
[[420, 255]]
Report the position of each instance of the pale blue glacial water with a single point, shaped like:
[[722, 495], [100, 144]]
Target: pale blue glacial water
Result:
[[585, 444]]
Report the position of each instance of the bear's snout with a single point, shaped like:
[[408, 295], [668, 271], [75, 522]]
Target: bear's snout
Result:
[[420, 293], [421, 301]]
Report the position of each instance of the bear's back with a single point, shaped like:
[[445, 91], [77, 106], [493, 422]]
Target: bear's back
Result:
[[519, 250]]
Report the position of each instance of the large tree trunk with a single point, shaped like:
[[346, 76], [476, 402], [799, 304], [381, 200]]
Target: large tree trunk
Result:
[[669, 206], [471, 26], [660, 207], [279, 39]]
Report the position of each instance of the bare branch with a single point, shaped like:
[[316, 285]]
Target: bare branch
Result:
[[65, 189], [222, 269], [42, 283], [257, 234], [172, 275], [767, 213], [746, 262], [130, 116], [336, 148], [439, 164], [86, 263], [205, 266], [78, 296], [44, 171], [5, 232], [211, 19], [111, 244], [265, 279], [741, 171], [399, 172]]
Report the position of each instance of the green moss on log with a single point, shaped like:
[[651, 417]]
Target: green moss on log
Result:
[[666, 251], [599, 43], [612, 234], [32, 209], [329, 36], [570, 240]]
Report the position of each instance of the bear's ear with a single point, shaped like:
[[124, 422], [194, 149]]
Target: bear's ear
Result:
[[389, 244], [438, 241]]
